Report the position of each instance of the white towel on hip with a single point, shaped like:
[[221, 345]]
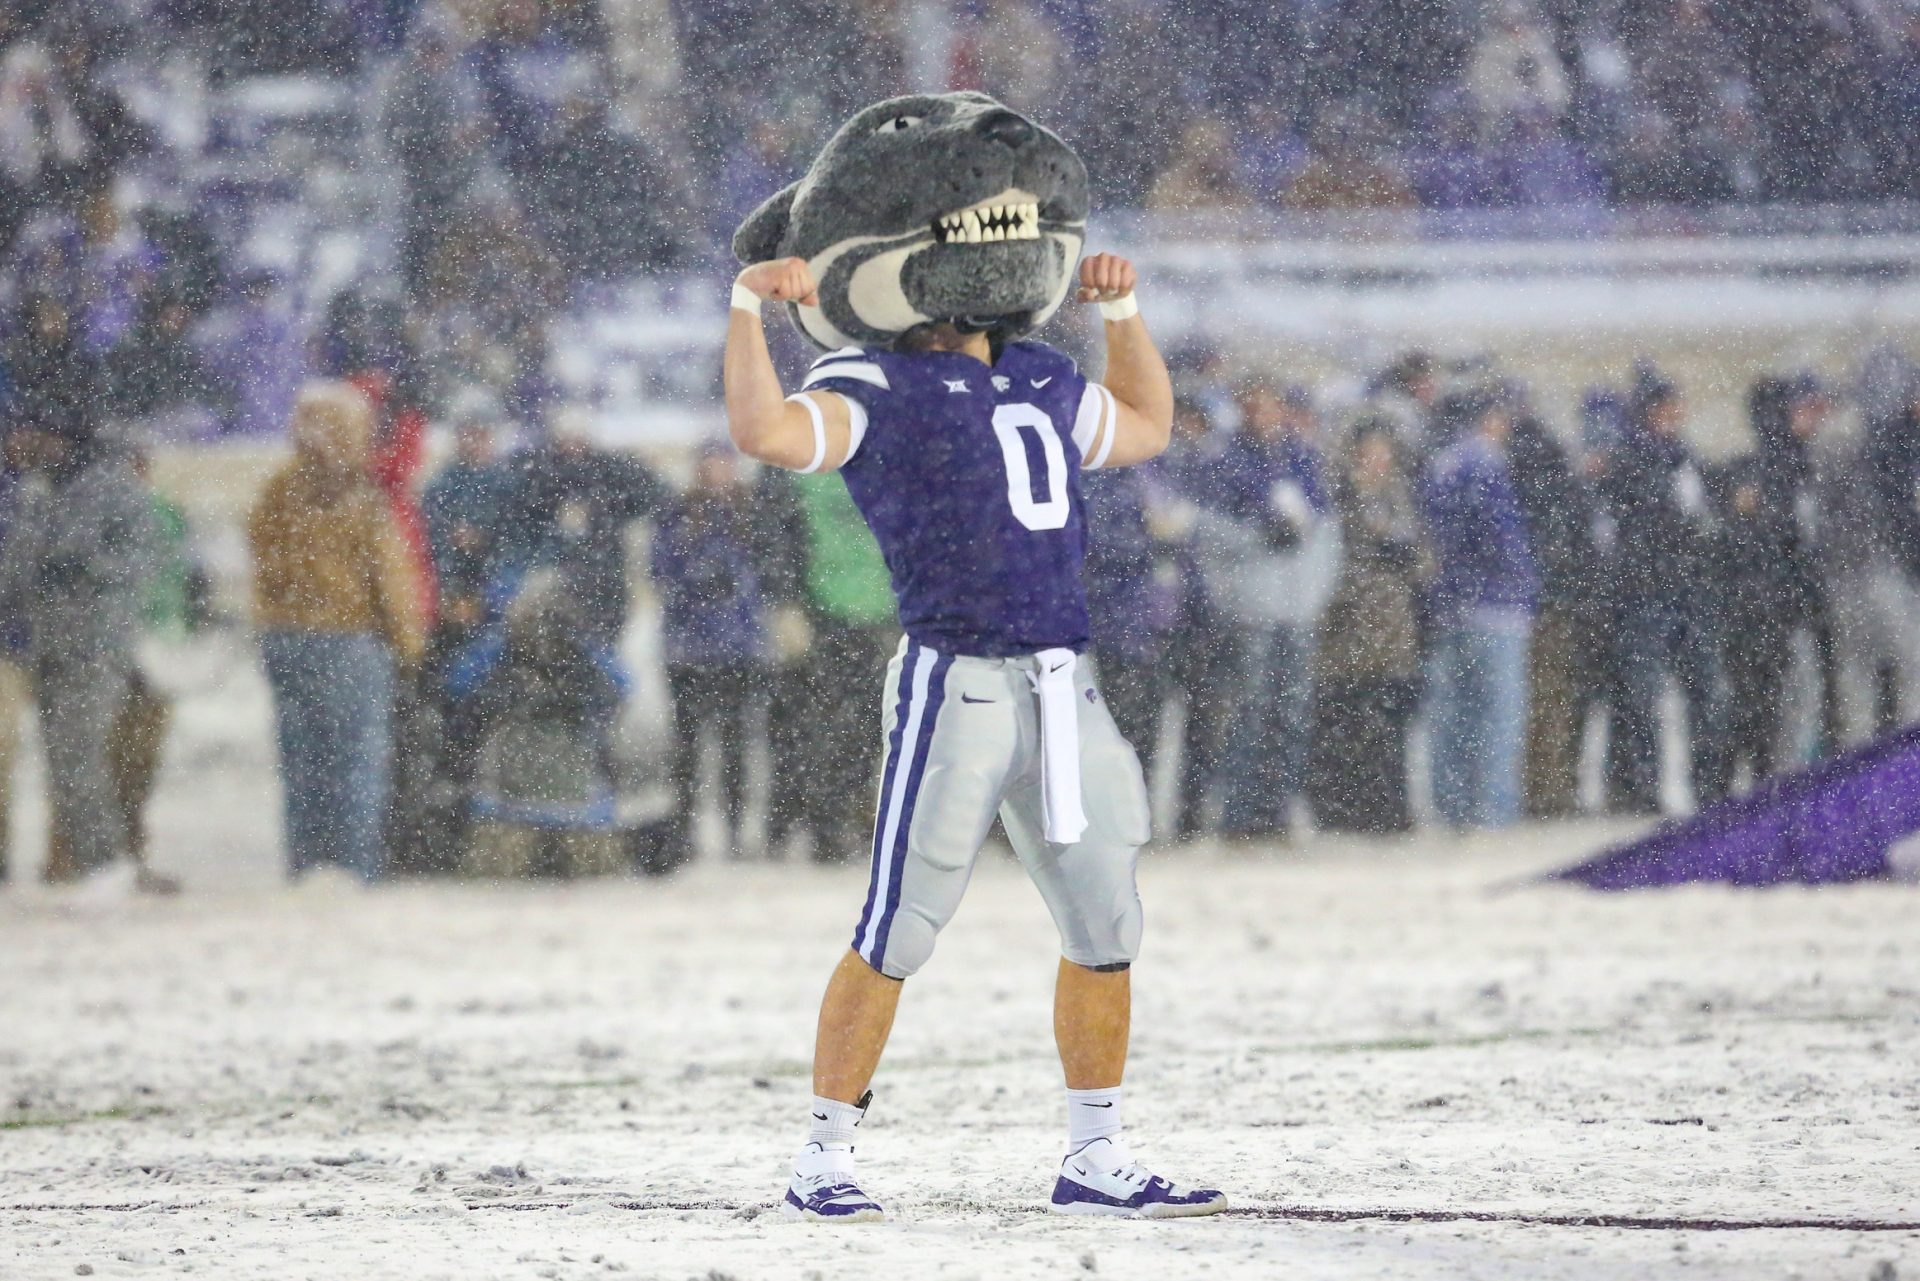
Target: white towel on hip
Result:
[[1054, 681]]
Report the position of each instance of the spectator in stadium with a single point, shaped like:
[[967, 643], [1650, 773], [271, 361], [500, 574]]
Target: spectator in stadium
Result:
[[95, 258], [851, 628], [1667, 599], [1559, 509], [1873, 550], [1451, 168], [1683, 63], [709, 564], [1515, 70], [434, 125], [1405, 393], [1203, 174], [488, 266], [783, 582], [568, 504], [1269, 550], [42, 139], [1482, 604], [1198, 667], [1018, 54], [335, 599], [604, 202], [1366, 666], [1130, 606], [49, 372], [1396, 54], [1770, 571], [172, 605], [1350, 166], [157, 377], [758, 162], [15, 679], [462, 510], [74, 570], [254, 345], [1544, 169]]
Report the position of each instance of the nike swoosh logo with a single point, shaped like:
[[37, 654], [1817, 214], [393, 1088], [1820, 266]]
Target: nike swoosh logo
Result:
[[1084, 1105], [1081, 1170], [968, 698], [819, 1116], [1057, 667], [1038, 383]]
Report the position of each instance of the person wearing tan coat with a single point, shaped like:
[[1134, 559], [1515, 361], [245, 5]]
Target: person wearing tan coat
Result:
[[1369, 652], [336, 605]]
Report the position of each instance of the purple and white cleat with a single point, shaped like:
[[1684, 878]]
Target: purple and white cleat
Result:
[[824, 1189], [1101, 1177]]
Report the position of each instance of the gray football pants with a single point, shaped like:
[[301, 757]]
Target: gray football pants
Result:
[[962, 745]]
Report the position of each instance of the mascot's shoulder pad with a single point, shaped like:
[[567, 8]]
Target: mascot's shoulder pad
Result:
[[932, 207], [857, 364]]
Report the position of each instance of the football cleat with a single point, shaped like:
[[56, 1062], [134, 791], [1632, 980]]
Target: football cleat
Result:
[[1100, 1177], [830, 1196]]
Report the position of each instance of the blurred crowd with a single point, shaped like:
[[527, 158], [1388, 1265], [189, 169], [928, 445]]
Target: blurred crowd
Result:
[[345, 219], [1419, 603], [229, 199]]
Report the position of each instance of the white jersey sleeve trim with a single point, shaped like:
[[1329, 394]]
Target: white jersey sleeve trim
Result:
[[865, 371], [856, 427], [1109, 428], [1086, 420], [812, 407]]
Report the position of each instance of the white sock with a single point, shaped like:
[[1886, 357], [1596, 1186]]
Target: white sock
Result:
[[833, 1122], [829, 1148], [1092, 1114]]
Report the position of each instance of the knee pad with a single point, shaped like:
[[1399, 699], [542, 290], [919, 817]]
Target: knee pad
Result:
[[1115, 946], [906, 947], [1101, 931]]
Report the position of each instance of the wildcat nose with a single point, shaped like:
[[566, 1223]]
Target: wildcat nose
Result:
[[1004, 126]]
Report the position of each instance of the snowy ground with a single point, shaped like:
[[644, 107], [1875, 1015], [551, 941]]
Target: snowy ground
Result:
[[571, 1081]]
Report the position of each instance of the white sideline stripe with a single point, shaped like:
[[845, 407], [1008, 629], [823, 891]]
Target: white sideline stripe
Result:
[[1110, 423], [896, 800], [865, 371]]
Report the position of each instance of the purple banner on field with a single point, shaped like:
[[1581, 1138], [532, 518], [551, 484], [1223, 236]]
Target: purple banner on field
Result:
[[1823, 825]]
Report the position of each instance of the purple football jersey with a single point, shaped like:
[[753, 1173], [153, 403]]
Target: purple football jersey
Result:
[[969, 477]]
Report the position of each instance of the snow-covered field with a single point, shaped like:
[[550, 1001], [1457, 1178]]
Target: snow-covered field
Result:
[[573, 1081]]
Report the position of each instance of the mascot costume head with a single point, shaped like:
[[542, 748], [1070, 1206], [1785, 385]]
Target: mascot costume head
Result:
[[941, 207]]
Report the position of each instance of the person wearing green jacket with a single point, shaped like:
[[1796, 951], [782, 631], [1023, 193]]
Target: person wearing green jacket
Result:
[[834, 627]]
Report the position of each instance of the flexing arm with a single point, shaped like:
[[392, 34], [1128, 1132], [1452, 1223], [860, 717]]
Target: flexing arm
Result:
[[1136, 375], [763, 423]]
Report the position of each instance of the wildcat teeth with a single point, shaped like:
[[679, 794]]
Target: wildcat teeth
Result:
[[989, 224]]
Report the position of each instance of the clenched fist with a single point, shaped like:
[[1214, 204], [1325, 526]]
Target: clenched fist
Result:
[[781, 280], [1105, 278]]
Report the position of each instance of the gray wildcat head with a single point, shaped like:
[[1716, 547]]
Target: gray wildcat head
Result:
[[933, 207]]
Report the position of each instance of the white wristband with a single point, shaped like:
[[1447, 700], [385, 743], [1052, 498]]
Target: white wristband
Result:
[[745, 299], [1120, 308]]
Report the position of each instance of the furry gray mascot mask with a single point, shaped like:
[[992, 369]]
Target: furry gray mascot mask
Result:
[[936, 207]]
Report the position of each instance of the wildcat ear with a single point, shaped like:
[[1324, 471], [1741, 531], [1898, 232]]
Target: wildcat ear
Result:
[[758, 238]]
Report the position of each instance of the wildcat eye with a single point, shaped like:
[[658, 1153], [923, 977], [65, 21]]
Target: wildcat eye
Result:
[[900, 124]]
